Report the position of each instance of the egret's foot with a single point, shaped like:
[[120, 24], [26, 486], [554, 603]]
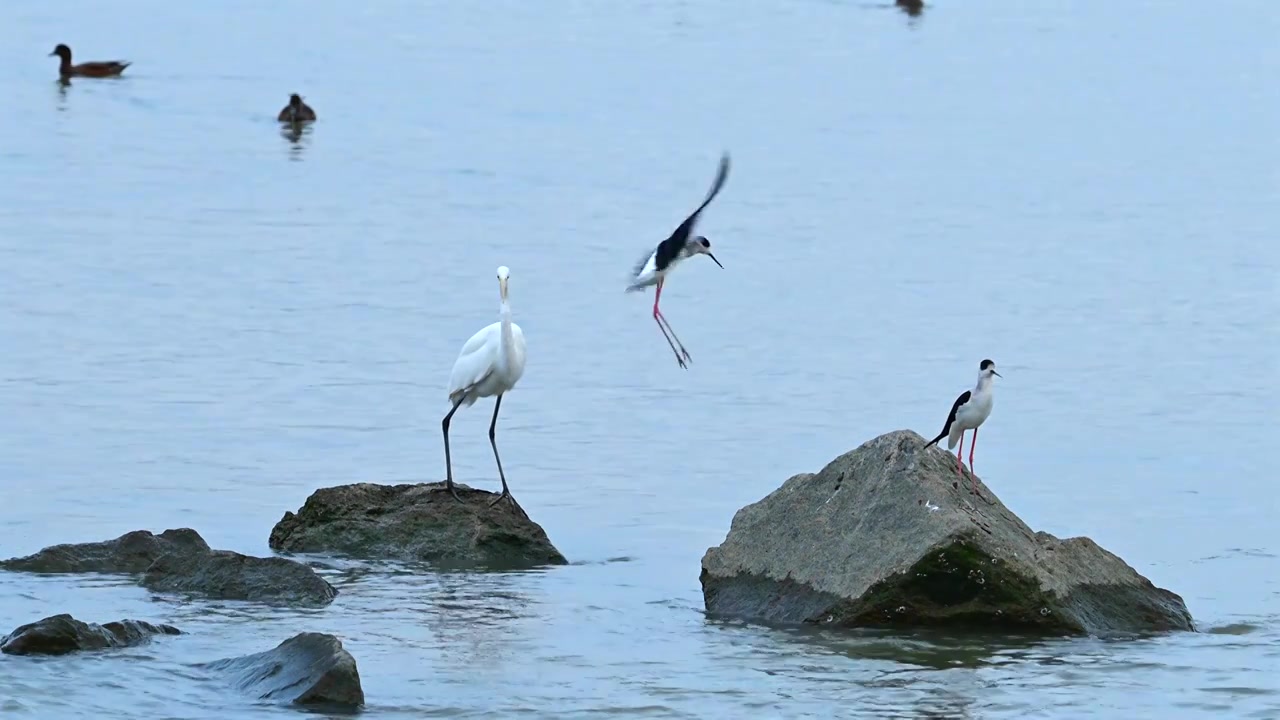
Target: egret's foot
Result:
[[453, 491], [506, 495]]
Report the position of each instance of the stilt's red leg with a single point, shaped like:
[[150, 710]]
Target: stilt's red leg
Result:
[[973, 444], [658, 318], [959, 451]]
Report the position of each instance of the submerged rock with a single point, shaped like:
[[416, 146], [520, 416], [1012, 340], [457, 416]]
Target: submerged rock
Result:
[[415, 522], [181, 561], [130, 553], [886, 536], [309, 668], [226, 575], [62, 634]]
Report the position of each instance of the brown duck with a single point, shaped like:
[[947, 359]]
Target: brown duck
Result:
[[296, 111], [88, 69]]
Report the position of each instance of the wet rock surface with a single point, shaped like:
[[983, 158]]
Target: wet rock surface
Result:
[[62, 634], [307, 669], [226, 575], [419, 522], [180, 561], [132, 552], [887, 535]]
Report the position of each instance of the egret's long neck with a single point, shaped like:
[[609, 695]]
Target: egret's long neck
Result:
[[508, 340]]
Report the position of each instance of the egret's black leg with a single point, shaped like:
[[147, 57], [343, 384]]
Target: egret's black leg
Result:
[[493, 432], [448, 462]]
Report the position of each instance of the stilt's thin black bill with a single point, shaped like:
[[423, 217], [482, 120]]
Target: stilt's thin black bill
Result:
[[713, 258]]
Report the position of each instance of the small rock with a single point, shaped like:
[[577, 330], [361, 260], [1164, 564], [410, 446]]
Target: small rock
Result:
[[130, 553], [307, 669], [226, 575], [62, 634], [415, 523], [853, 546]]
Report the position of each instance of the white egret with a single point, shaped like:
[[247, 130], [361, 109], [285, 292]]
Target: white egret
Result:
[[654, 267], [490, 363], [968, 412]]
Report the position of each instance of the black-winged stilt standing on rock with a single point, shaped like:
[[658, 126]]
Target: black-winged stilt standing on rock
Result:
[[654, 267], [968, 412]]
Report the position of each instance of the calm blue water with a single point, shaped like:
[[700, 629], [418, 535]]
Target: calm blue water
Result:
[[201, 322]]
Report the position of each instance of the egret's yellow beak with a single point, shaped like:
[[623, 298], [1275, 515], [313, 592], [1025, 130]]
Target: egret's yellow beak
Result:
[[502, 287]]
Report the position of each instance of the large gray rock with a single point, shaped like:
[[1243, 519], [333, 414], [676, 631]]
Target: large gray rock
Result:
[[226, 575], [886, 536], [307, 669], [415, 522], [130, 553], [62, 634]]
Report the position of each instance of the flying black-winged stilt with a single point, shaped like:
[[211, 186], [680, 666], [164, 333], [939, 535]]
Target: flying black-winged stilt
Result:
[[654, 267], [490, 363], [968, 412]]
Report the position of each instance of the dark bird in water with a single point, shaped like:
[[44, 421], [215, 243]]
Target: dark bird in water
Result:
[[296, 111], [110, 68], [913, 8]]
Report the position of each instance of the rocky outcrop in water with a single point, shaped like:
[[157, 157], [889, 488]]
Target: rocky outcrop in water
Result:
[[226, 575], [307, 669], [130, 553], [180, 561], [886, 536], [415, 522], [62, 634]]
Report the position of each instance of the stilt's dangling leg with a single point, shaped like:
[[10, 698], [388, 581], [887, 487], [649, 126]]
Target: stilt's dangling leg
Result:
[[658, 318]]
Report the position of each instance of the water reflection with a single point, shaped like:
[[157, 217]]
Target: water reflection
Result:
[[476, 618], [62, 85], [298, 135], [943, 704], [931, 649]]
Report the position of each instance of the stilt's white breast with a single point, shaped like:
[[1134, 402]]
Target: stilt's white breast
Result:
[[645, 272], [976, 411]]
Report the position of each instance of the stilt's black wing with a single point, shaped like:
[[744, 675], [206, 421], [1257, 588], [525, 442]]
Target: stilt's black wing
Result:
[[955, 407], [670, 248]]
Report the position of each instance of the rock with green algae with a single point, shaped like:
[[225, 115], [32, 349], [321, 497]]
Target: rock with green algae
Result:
[[887, 535], [421, 522]]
